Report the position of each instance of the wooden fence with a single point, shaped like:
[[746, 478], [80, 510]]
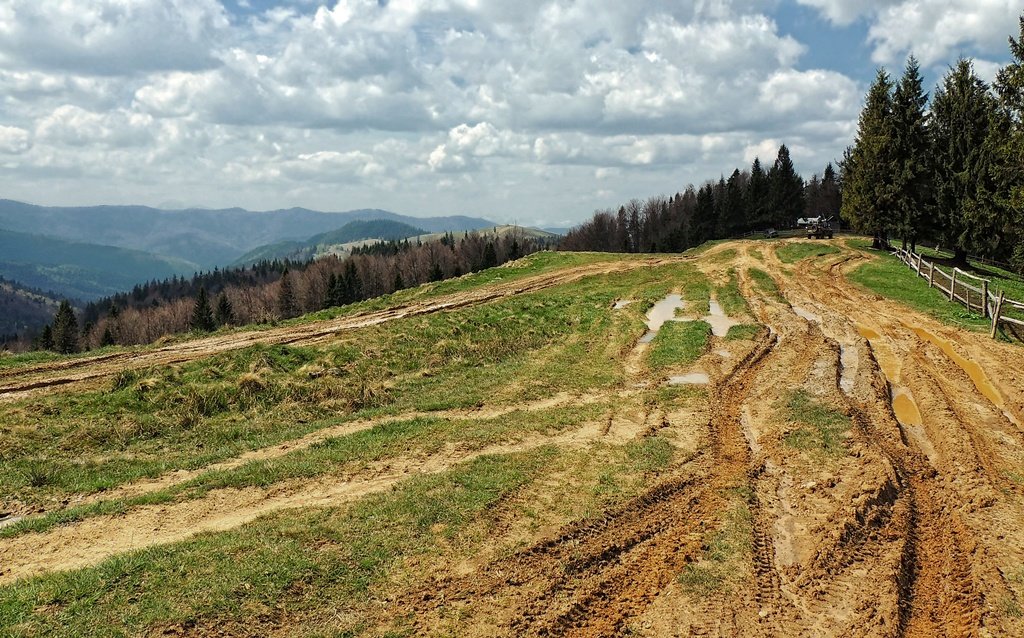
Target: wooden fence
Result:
[[967, 289]]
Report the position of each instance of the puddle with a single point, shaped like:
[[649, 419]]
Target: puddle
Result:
[[848, 363], [973, 370], [905, 407], [10, 520], [718, 320], [664, 310], [621, 303], [903, 404], [806, 314], [693, 378]]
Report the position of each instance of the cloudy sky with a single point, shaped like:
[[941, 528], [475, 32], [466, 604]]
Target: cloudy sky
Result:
[[529, 110]]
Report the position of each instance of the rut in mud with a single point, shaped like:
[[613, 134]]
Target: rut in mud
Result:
[[858, 473]]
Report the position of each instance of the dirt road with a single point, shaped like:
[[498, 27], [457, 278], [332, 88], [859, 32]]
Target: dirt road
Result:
[[901, 517]]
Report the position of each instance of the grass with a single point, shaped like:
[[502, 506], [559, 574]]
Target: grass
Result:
[[678, 344], [728, 549], [723, 256], [792, 252], [887, 276], [757, 254], [766, 284], [527, 347], [743, 332], [730, 297], [820, 429], [278, 561]]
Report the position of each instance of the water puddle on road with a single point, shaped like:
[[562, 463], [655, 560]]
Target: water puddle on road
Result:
[[905, 407], [973, 370], [10, 520], [693, 378], [720, 323], [621, 303], [806, 314], [903, 404], [664, 310]]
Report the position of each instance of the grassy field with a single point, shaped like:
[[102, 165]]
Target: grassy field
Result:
[[891, 278], [793, 252]]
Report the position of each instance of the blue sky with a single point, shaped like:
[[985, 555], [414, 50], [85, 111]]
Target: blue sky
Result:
[[538, 111]]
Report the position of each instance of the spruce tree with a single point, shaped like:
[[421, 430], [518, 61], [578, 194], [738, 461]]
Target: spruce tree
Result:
[[65, 329], [1009, 86], [831, 196], [287, 306], [912, 177], [108, 337], [785, 191], [45, 340], [490, 256], [966, 132], [225, 313], [202, 314], [757, 196], [868, 183], [436, 274]]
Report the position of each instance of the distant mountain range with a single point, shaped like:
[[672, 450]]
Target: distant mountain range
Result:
[[335, 241], [80, 270], [203, 237]]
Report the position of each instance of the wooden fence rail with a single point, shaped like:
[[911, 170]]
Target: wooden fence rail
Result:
[[967, 289]]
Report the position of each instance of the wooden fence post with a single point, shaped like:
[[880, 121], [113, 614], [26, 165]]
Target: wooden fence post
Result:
[[919, 257], [995, 314], [952, 285], [931, 274], [984, 298]]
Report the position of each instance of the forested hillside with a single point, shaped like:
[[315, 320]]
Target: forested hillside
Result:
[[317, 245]]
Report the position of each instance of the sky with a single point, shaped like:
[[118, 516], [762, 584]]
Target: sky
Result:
[[529, 111]]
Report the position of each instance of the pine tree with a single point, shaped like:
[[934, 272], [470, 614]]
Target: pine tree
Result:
[[436, 274], [65, 329], [868, 188], [287, 306], [785, 191], [757, 196], [225, 313], [831, 196], [912, 177], [331, 295], [735, 204], [202, 314], [108, 337], [45, 340], [399, 284], [1009, 86], [490, 256], [966, 139]]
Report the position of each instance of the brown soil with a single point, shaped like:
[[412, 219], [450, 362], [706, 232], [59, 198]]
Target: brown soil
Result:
[[905, 526]]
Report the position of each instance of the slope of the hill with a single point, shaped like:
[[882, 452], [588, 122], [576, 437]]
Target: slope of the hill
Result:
[[80, 270], [207, 237], [324, 243], [734, 441], [23, 310]]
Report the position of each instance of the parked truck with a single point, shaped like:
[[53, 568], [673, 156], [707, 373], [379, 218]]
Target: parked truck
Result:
[[820, 228]]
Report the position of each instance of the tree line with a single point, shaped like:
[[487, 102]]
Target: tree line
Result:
[[949, 169], [754, 199], [273, 291]]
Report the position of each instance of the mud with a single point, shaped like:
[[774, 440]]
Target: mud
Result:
[[903, 521]]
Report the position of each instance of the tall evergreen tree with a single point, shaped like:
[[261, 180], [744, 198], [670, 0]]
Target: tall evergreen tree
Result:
[[224, 313], [831, 196], [757, 196], [286, 302], [202, 314], [912, 177], [785, 191], [45, 339], [65, 329], [1009, 86], [868, 183], [965, 136], [735, 204]]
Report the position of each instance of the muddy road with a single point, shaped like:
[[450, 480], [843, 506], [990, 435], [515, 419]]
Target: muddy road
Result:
[[857, 470]]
